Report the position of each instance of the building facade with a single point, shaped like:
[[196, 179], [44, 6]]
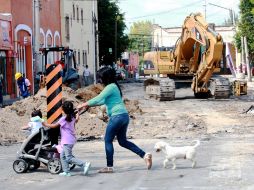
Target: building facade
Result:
[[22, 24], [7, 56], [78, 26]]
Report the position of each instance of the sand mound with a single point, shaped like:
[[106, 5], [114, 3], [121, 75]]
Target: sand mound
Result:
[[92, 123]]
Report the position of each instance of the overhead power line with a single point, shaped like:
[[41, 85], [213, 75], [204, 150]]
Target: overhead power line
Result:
[[165, 12]]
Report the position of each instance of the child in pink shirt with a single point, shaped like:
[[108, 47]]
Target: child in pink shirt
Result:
[[68, 139]]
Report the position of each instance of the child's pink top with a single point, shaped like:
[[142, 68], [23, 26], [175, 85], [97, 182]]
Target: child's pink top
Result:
[[67, 131]]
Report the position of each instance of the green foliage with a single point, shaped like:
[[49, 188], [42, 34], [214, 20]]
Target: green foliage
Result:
[[109, 17], [140, 37], [252, 11], [246, 25]]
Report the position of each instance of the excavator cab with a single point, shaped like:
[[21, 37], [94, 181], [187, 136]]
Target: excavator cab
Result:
[[69, 67]]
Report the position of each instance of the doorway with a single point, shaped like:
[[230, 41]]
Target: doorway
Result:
[[3, 70]]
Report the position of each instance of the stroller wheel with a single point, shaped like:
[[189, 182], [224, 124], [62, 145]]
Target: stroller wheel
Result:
[[54, 166], [34, 165], [20, 166]]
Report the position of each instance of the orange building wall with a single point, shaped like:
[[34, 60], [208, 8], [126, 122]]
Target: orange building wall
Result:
[[50, 16], [5, 6], [22, 13]]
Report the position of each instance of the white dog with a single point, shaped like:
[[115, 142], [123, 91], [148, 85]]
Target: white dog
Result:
[[173, 153]]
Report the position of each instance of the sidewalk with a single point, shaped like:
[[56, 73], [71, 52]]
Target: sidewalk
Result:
[[10, 101], [250, 85]]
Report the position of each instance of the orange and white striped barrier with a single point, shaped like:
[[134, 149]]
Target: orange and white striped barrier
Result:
[[54, 98]]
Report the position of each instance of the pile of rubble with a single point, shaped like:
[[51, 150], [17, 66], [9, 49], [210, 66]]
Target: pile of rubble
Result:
[[91, 124]]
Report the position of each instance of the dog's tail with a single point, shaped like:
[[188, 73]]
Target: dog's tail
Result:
[[197, 143]]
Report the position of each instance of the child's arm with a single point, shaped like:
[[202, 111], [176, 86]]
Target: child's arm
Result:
[[82, 106], [53, 125], [77, 118], [25, 127], [28, 126]]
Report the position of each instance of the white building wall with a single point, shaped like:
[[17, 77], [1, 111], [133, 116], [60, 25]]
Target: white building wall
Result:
[[226, 32], [168, 36], [81, 36]]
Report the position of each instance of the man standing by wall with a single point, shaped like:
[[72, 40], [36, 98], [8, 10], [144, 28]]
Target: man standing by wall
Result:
[[86, 76], [28, 84], [22, 85]]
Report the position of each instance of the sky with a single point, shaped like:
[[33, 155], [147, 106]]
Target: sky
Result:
[[171, 13]]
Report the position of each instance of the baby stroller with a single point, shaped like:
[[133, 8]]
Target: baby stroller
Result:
[[36, 149]]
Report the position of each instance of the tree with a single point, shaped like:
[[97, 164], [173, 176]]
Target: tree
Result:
[[140, 37], [246, 26], [110, 25], [252, 11]]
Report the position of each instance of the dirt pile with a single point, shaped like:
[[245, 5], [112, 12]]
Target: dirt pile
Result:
[[133, 107], [92, 123]]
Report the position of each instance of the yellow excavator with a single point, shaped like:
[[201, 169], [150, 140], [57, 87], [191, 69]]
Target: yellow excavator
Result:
[[196, 56]]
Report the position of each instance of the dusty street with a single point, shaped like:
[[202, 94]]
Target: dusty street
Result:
[[224, 159], [223, 163]]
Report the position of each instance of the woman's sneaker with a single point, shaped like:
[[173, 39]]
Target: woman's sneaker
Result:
[[106, 170], [68, 174], [148, 160], [87, 167]]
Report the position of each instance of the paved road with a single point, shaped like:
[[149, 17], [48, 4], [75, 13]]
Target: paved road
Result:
[[223, 163]]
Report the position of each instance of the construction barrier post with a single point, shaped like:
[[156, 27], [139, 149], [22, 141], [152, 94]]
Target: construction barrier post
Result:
[[54, 98]]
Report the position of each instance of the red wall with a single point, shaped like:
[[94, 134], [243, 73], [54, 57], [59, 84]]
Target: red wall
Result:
[[22, 13], [49, 15], [5, 6]]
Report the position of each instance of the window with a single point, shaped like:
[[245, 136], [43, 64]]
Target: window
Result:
[[88, 47], [67, 28], [77, 14], [78, 57], [75, 55], [73, 9], [84, 58], [82, 17]]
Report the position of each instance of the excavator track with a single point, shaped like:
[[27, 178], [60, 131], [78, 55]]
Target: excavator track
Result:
[[162, 89], [219, 87]]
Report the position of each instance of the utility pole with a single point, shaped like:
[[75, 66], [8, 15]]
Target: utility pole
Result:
[[94, 19], [153, 36], [247, 59], [36, 37], [143, 47], [242, 56], [161, 38], [116, 40], [205, 9], [95, 46], [231, 12]]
